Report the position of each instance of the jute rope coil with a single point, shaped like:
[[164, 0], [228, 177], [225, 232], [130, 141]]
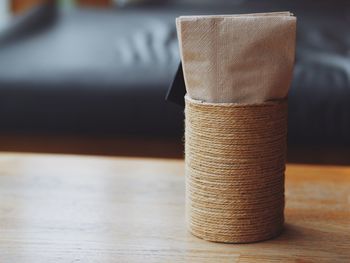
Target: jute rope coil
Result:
[[235, 161]]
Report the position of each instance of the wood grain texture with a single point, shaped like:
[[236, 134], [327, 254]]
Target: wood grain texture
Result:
[[62, 208]]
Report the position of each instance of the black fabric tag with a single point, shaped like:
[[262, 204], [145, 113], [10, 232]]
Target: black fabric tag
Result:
[[177, 89]]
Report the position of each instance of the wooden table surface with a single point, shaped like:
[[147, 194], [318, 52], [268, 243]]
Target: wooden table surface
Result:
[[61, 208]]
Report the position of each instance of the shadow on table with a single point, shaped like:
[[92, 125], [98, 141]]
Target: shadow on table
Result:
[[316, 242]]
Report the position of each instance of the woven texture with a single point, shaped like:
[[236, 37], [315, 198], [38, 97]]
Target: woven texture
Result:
[[245, 58], [235, 161]]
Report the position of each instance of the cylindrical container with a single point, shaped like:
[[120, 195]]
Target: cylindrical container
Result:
[[235, 161]]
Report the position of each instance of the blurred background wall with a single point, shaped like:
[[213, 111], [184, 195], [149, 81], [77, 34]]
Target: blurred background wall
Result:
[[5, 12]]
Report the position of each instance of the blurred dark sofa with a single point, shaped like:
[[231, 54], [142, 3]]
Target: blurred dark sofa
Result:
[[106, 72]]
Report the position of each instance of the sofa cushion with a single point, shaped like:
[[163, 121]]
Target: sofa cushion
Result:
[[97, 71]]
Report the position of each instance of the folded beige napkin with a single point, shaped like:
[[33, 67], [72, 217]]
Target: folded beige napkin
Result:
[[237, 58]]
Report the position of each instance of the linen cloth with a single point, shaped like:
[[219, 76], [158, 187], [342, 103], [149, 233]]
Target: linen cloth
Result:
[[237, 58]]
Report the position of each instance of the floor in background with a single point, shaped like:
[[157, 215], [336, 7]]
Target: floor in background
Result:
[[149, 147]]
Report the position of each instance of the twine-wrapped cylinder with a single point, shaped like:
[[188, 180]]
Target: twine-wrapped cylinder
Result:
[[235, 162]]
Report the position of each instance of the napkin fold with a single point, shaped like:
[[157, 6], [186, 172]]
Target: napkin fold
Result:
[[237, 58]]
